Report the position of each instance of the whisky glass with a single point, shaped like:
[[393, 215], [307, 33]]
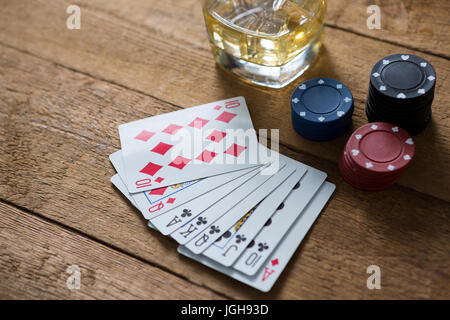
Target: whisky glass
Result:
[[265, 42]]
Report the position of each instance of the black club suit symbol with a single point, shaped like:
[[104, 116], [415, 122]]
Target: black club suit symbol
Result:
[[214, 229], [240, 238], [201, 220], [262, 246], [186, 213]]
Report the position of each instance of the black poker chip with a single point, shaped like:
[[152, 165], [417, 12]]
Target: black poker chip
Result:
[[403, 113], [414, 126], [403, 76], [401, 91]]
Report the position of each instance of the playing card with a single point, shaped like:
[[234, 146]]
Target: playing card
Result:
[[174, 219], [187, 145], [266, 276], [203, 221], [267, 239], [155, 202], [120, 185], [204, 239], [233, 242]]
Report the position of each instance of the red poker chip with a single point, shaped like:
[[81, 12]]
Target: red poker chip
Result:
[[372, 188], [373, 177], [376, 177], [361, 178], [364, 184], [361, 183], [375, 156], [380, 147]]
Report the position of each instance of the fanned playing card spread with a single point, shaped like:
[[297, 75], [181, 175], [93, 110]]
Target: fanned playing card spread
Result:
[[199, 176]]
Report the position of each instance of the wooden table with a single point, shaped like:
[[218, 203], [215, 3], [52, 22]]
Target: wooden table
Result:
[[64, 92]]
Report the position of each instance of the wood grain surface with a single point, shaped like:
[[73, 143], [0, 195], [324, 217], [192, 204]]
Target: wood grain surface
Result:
[[35, 256], [415, 24], [63, 94]]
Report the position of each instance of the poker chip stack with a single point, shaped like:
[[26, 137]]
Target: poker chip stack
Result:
[[401, 91], [321, 109], [375, 156]]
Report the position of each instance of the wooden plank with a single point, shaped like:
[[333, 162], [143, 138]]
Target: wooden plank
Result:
[[416, 24], [57, 128], [35, 255], [160, 48]]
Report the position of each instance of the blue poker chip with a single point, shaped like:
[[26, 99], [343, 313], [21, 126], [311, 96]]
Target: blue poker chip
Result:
[[322, 109]]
